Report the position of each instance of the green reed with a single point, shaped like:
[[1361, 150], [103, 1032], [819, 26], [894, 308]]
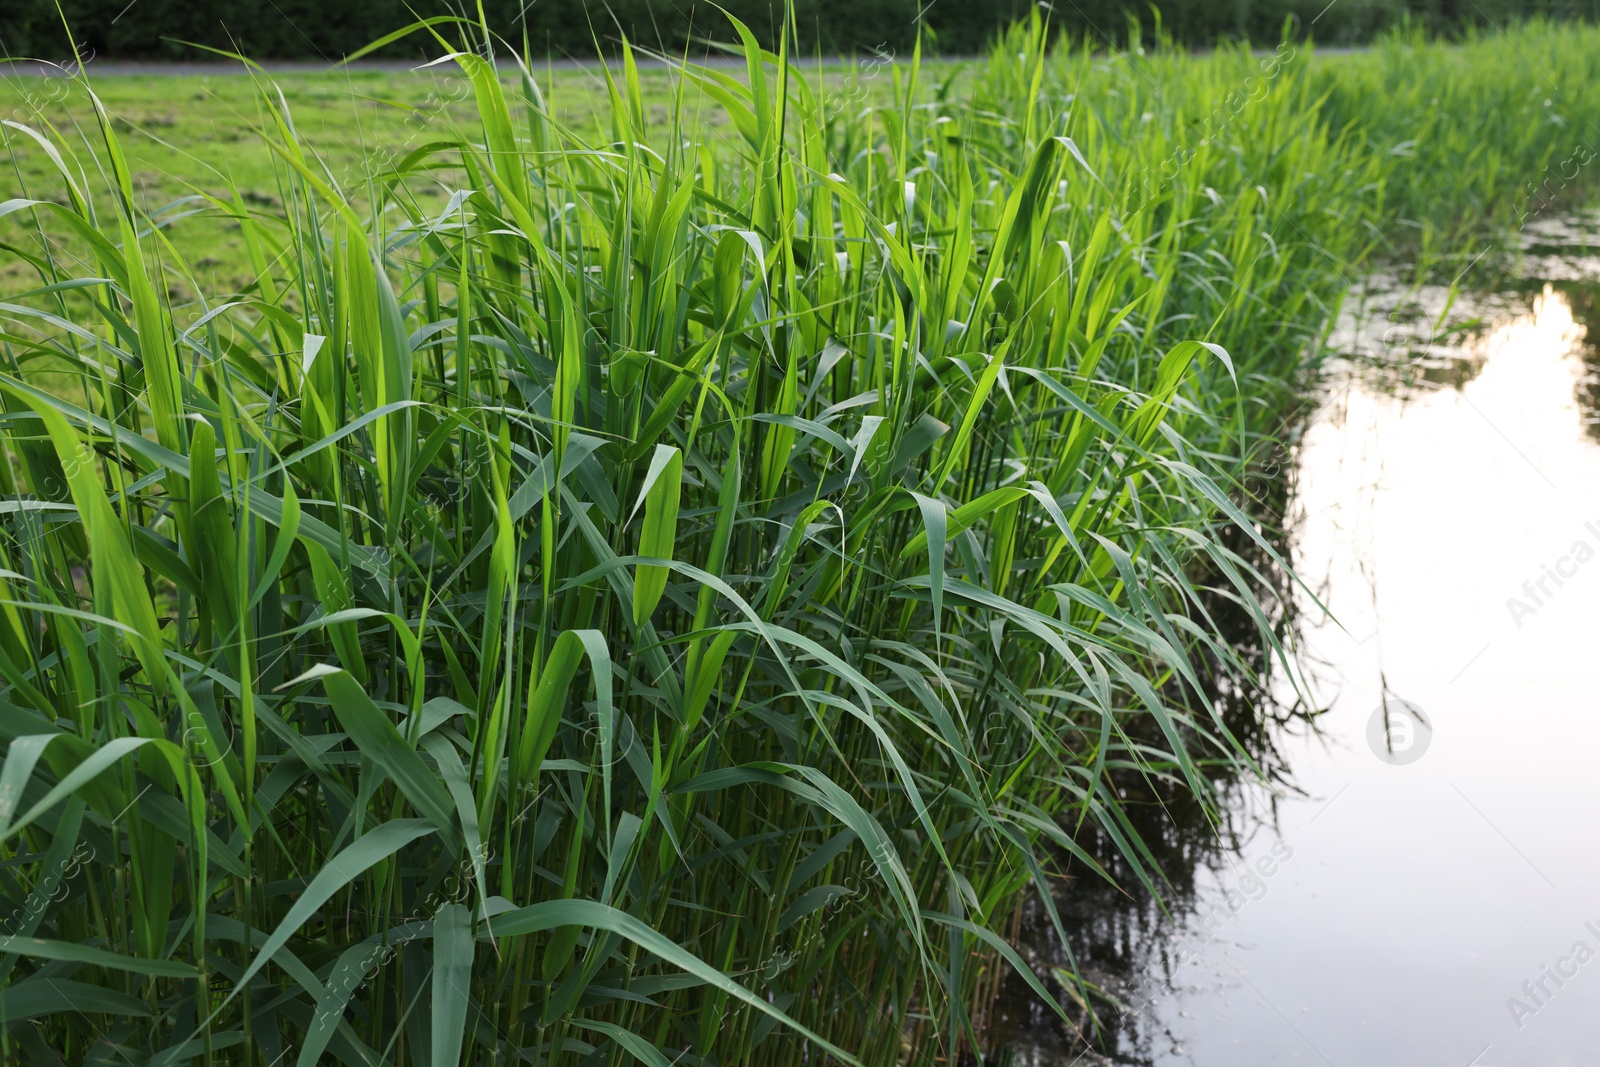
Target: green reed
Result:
[[661, 593]]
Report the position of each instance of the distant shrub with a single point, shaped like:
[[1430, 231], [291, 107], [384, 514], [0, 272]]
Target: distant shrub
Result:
[[302, 29]]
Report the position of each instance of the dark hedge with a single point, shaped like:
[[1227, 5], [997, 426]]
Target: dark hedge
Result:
[[302, 29]]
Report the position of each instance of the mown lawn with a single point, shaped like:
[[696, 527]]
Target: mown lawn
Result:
[[188, 134]]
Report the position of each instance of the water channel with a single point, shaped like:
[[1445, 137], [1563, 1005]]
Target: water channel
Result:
[[1421, 884]]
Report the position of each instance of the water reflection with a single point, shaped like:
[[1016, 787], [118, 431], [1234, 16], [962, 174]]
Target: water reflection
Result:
[[1361, 911], [1584, 299]]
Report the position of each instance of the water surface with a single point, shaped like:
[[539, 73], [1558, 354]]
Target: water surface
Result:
[[1422, 888]]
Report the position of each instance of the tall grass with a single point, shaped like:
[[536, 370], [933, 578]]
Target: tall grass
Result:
[[658, 593], [1485, 135]]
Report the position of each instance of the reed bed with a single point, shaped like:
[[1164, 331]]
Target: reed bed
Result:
[[658, 593]]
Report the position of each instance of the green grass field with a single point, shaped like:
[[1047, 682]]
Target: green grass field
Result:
[[188, 134], [659, 571]]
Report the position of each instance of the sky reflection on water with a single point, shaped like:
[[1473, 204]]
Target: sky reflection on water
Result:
[[1443, 911]]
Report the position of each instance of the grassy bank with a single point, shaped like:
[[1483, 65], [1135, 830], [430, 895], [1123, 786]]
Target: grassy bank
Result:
[[660, 593]]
